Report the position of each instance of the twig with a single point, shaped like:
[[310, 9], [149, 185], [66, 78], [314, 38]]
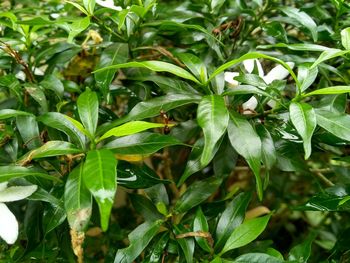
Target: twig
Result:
[[13, 53], [166, 53]]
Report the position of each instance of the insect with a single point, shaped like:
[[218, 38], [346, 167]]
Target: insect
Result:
[[166, 129]]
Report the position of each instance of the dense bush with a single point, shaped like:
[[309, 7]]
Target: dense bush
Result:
[[174, 131]]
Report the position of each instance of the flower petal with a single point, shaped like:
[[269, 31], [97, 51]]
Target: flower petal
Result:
[[109, 4], [8, 225], [229, 78], [249, 66], [277, 73], [3, 185], [250, 105], [15, 193]]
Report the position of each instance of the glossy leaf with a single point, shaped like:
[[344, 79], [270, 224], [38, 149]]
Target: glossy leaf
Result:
[[246, 233], [158, 248], [145, 207], [88, 110], [329, 54], [302, 251], [212, 117], [303, 118], [200, 224], [11, 171], [78, 26], [231, 218], [345, 38], [306, 76], [335, 123], [53, 217], [131, 127], [302, 18], [152, 108], [77, 200], [329, 90], [195, 65], [257, 258], [29, 130], [141, 143], [198, 192], [186, 243], [9, 113], [158, 66], [51, 148], [100, 177], [60, 122], [137, 176], [247, 143], [139, 238], [268, 150], [116, 53], [39, 96]]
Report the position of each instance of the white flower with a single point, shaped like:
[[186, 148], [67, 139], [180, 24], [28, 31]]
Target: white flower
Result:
[[277, 73], [8, 222], [109, 4]]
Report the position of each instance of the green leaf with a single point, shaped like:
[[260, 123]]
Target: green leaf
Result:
[[51, 82], [145, 207], [186, 243], [139, 238], [130, 128], [302, 251], [39, 96], [137, 176], [246, 233], [156, 252], [253, 55], [247, 143], [306, 76], [12, 171], [251, 79], [335, 123], [100, 177], [193, 164], [303, 18], [61, 122], [158, 66], [212, 117], [200, 224], [77, 200], [89, 6], [51, 148], [303, 118], [198, 192], [257, 258], [152, 108], [329, 90], [231, 218], [299, 47], [8, 113], [29, 130], [268, 151], [116, 53], [88, 110], [141, 143], [329, 54], [82, 9], [53, 216], [78, 26], [345, 38], [195, 65]]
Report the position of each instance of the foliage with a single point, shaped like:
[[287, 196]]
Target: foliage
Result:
[[175, 131]]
